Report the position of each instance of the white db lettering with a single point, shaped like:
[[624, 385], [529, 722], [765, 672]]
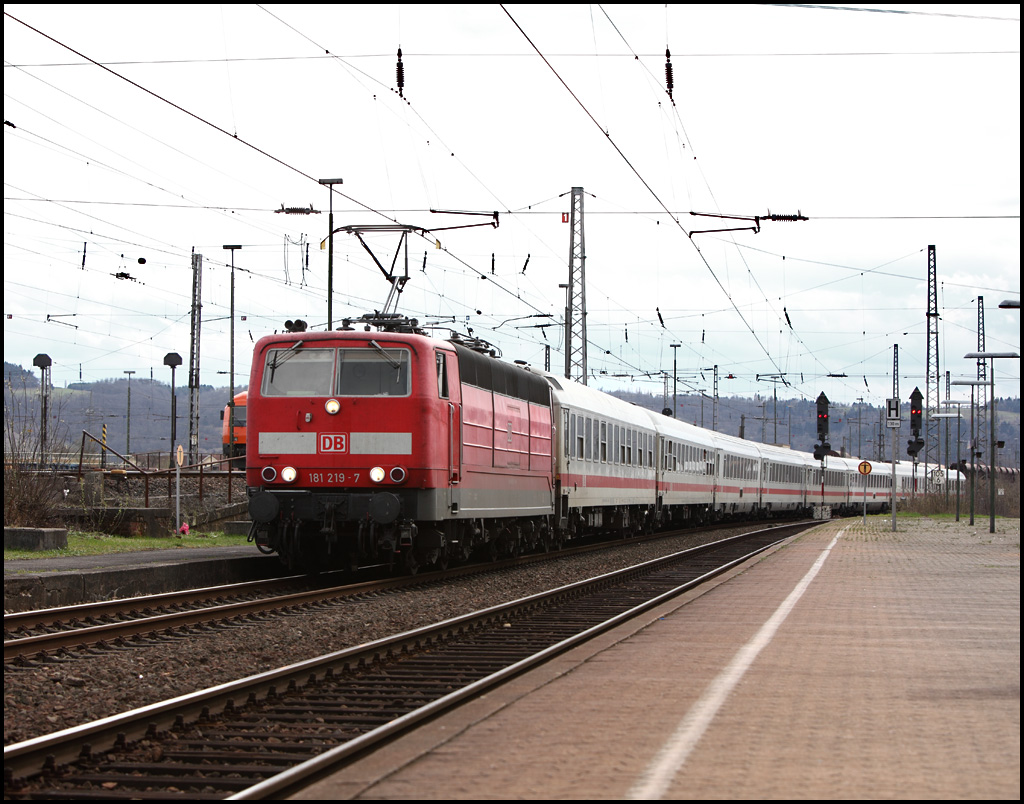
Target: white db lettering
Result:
[[333, 442]]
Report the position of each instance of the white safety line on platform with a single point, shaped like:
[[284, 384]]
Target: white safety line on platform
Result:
[[658, 776]]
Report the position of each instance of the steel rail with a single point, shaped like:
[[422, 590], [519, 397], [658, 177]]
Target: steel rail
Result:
[[27, 758], [66, 633]]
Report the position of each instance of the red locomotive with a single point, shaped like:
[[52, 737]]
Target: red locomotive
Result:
[[385, 446]]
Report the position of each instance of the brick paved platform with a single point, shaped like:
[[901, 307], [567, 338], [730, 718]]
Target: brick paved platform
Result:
[[894, 674]]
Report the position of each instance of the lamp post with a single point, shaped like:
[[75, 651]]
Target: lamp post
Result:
[[128, 439], [568, 330], [43, 363], [972, 439], [231, 391], [675, 401], [173, 359], [958, 416], [991, 357], [329, 183]]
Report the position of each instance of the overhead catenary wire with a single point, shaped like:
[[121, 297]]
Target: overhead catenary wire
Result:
[[513, 265]]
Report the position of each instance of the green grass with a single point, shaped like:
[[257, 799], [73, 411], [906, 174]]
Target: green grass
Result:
[[93, 544]]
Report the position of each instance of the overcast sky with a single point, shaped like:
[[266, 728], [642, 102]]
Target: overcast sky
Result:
[[890, 127]]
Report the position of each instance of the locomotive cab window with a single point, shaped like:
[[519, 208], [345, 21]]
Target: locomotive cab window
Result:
[[442, 376], [373, 372], [291, 372]]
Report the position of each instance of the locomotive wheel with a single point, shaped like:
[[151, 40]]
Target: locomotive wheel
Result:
[[410, 562]]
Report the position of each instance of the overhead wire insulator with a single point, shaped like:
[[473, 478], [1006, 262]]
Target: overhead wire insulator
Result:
[[669, 84], [400, 74], [772, 217]]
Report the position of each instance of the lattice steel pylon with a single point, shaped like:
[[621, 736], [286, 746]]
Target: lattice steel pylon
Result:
[[933, 381], [576, 295], [981, 414], [193, 360]]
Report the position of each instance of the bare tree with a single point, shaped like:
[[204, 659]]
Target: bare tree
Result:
[[33, 490]]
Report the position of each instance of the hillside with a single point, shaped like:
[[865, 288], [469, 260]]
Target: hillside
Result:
[[88, 406]]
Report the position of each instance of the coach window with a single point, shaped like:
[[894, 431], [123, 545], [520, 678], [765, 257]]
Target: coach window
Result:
[[604, 442], [587, 437]]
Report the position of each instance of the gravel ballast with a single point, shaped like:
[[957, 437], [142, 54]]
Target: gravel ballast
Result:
[[59, 693]]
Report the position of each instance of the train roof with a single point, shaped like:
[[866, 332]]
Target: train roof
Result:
[[582, 397]]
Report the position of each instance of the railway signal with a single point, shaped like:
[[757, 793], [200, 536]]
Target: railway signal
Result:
[[822, 403], [915, 411], [822, 449], [915, 444]]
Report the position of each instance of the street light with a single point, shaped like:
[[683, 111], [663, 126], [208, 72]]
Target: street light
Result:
[[991, 357], [173, 359], [959, 417], [128, 439], [675, 402], [973, 438], [43, 363], [231, 392]]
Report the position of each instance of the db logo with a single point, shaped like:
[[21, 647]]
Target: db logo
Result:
[[333, 442]]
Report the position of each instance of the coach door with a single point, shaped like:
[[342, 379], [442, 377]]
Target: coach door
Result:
[[660, 466]]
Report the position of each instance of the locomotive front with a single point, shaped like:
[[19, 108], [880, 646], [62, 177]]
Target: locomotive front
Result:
[[348, 447]]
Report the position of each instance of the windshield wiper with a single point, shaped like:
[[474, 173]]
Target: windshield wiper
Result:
[[395, 362], [283, 357]]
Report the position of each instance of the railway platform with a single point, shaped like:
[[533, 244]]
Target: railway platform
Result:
[[850, 662], [37, 583]]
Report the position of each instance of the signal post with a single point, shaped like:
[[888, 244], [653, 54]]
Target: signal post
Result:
[[893, 421]]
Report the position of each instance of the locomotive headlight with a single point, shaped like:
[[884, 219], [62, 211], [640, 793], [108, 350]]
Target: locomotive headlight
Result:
[[377, 474], [398, 474], [332, 406], [269, 474], [288, 474]]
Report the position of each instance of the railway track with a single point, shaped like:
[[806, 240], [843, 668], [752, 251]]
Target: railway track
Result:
[[118, 621], [129, 621], [259, 736]]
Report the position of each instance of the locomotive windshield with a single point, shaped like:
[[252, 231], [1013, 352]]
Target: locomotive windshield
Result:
[[380, 372], [289, 372], [344, 372]]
